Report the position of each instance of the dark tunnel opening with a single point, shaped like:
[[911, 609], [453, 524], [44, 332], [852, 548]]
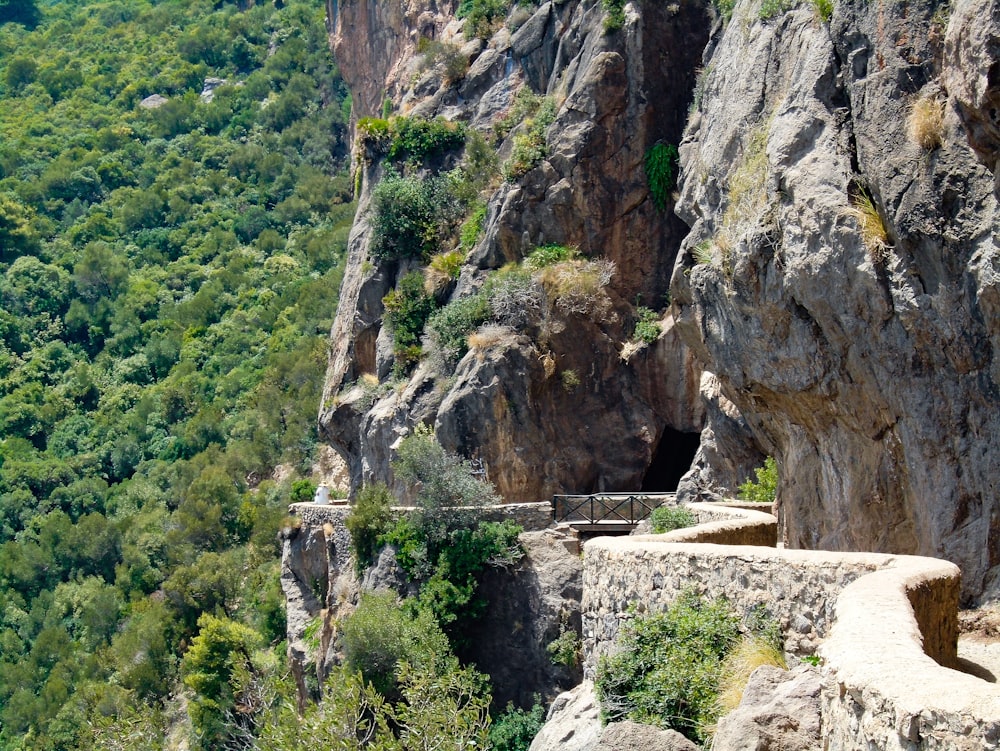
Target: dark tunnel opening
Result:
[[672, 459]]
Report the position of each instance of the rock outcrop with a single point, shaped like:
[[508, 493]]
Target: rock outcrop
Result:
[[780, 711], [866, 365], [528, 607], [562, 410]]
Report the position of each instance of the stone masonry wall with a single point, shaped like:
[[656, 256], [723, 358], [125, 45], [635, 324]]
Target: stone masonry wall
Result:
[[884, 625], [799, 588]]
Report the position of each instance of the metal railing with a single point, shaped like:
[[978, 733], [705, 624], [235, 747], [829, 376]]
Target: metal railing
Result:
[[618, 508]]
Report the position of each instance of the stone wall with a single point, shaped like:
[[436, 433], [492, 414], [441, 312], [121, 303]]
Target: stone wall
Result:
[[532, 516], [798, 587], [885, 626]]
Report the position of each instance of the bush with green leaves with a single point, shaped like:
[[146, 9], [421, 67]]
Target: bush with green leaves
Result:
[[444, 480], [370, 518], [660, 164], [530, 146], [448, 329], [482, 17], [525, 105], [666, 668], [472, 228], [411, 215], [407, 309], [667, 518], [419, 139], [381, 633], [442, 545], [516, 728], [614, 17], [548, 255], [647, 325], [765, 488]]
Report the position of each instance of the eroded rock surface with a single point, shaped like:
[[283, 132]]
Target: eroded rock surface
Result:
[[870, 372], [553, 407], [780, 711]]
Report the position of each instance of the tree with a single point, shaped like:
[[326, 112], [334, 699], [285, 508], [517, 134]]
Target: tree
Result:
[[24, 12], [219, 667]]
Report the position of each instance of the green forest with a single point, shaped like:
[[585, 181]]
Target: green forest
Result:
[[168, 277]]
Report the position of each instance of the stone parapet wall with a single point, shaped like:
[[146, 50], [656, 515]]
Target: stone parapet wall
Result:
[[885, 626], [331, 519], [884, 688], [798, 588], [532, 516]]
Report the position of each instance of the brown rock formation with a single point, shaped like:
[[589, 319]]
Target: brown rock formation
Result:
[[560, 411]]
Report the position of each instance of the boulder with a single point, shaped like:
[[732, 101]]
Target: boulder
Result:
[[780, 711]]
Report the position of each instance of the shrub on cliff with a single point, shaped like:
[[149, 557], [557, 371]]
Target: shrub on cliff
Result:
[[765, 488], [667, 518], [380, 634], [407, 309], [411, 215], [370, 518], [666, 670]]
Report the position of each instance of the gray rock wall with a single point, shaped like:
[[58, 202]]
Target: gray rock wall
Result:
[[871, 374], [554, 408]]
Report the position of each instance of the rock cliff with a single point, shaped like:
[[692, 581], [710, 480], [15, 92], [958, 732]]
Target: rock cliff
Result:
[[837, 275], [840, 278], [563, 404]]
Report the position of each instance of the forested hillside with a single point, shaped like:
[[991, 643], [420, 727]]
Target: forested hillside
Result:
[[167, 278]]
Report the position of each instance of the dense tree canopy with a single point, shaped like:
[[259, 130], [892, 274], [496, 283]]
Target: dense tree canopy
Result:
[[167, 278]]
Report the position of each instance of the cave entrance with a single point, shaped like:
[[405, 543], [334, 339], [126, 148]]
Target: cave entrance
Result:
[[672, 459]]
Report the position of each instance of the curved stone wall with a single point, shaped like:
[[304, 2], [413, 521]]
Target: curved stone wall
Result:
[[884, 625]]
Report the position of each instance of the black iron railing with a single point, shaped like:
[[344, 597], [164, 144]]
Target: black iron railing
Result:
[[618, 508]]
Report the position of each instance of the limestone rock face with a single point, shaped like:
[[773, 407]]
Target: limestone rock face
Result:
[[633, 736], [553, 406], [573, 722], [780, 711], [869, 371], [527, 609]]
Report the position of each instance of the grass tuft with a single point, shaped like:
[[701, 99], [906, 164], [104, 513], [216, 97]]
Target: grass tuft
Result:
[[748, 655], [925, 124], [874, 233]]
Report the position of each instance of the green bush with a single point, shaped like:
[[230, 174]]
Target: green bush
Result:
[[472, 228], [374, 134], [765, 488], [449, 327], [530, 146], [824, 9], [407, 309], [418, 139], [565, 649], [411, 215], [667, 518], [380, 634], [615, 18], [647, 325], [525, 105], [370, 518], [725, 8], [302, 491], [771, 8], [667, 666], [515, 729], [660, 164], [446, 481], [482, 17], [549, 255]]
